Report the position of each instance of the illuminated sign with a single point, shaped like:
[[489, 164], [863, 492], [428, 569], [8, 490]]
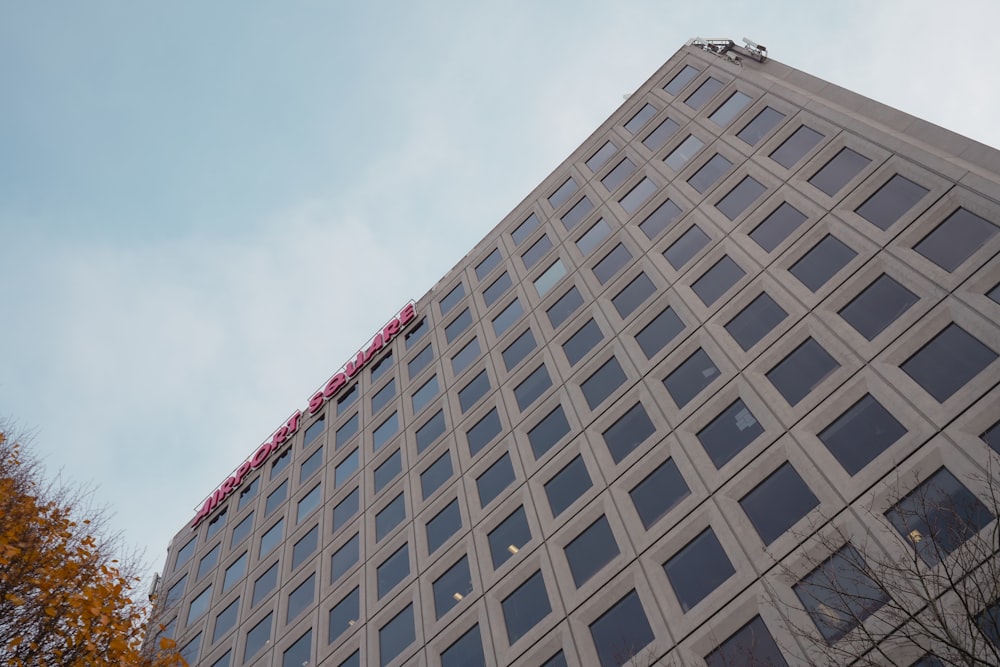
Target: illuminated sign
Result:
[[316, 403]]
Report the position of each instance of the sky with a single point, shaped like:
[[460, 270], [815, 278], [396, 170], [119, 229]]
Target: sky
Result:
[[206, 208]]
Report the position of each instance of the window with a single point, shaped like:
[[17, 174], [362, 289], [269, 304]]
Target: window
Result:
[[525, 607], [640, 118], [491, 261], [311, 465], [739, 198], [419, 362], [305, 547], [638, 195], [547, 432], [603, 382], [621, 632], [428, 390], [345, 614], [347, 398], [509, 315], [508, 538], [532, 387], [660, 220], [248, 493], [582, 342], [383, 396], [838, 172], [730, 109], [258, 637], [458, 325], [684, 152], [760, 126], [225, 620], [483, 432], [795, 147], [522, 346], [313, 431], [298, 654], [938, 516], [524, 230], [839, 594], [436, 474], [992, 437], [567, 485], [217, 523], [658, 493], [593, 236], [802, 371], [388, 470], [681, 79], [537, 250], [994, 294], [301, 598], [235, 572], [717, 280], [308, 503], [346, 468], [470, 394], [698, 569], [618, 175], [545, 282], [603, 154], [612, 263], [497, 477], [345, 510], [272, 538], [655, 335], [451, 587], [751, 644], [564, 192], [558, 660], [988, 621], [391, 516], [430, 431], [276, 498], [393, 570], [467, 650], [443, 525], [891, 202], [264, 584], [749, 326], [777, 227], [661, 134], [242, 530], [344, 558], [347, 431], [704, 93], [199, 605], [575, 215], [452, 298], [687, 380], [384, 431], [396, 635], [190, 650], [497, 289], [709, 173], [729, 433], [822, 262], [777, 503], [208, 562], [630, 431], [591, 550], [877, 306], [956, 239], [633, 295], [949, 361], [564, 307], [353, 660], [279, 463], [686, 247]]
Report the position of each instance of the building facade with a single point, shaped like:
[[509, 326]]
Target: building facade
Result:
[[751, 309]]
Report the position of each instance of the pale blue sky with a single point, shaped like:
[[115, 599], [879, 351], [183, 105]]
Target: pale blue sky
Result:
[[188, 191]]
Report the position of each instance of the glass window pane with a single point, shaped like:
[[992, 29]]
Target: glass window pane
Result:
[[524, 230], [347, 430], [443, 525], [208, 562], [877, 306], [691, 377], [655, 139], [749, 326], [717, 280], [796, 146], [419, 362], [956, 239], [346, 399], [604, 382], [633, 295], [618, 175], [575, 215], [384, 396], [314, 430], [777, 503], [508, 538], [861, 433], [345, 614], [347, 467], [949, 361], [470, 394], [729, 433], [458, 325], [600, 158], [593, 236], [638, 195], [760, 126], [388, 470], [839, 171], [729, 109], [537, 250], [655, 335], [515, 353], [393, 570], [311, 465], [630, 431], [199, 605], [591, 550], [777, 227], [305, 547], [525, 607], [272, 538], [489, 263], [612, 263], [495, 480], [264, 584], [640, 118], [582, 342], [258, 637], [483, 432], [435, 476], [276, 498], [698, 569], [345, 510], [660, 220], [242, 530], [235, 572], [564, 307], [428, 390], [567, 485], [740, 198], [467, 651], [225, 620], [622, 632], [822, 262], [452, 298], [451, 587], [299, 653], [684, 152], [248, 494], [344, 558], [532, 387], [391, 516], [396, 635], [659, 493], [991, 437], [548, 280], [512, 313], [430, 431], [415, 333], [562, 193], [681, 79], [704, 93], [710, 173], [497, 289], [301, 598], [464, 357], [891, 202], [752, 645], [547, 432], [801, 371], [686, 247]]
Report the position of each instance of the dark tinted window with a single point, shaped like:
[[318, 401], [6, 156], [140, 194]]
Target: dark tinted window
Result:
[[508, 316], [305, 547], [681, 79], [419, 362], [752, 645], [576, 214], [547, 432], [452, 298], [548, 279], [443, 525], [458, 325], [686, 247], [796, 146], [822, 262], [301, 598], [659, 493], [467, 651], [436, 474], [698, 569], [490, 262], [264, 584], [593, 237], [591, 550], [276, 498], [311, 465], [235, 572], [839, 594], [497, 477], [956, 239], [582, 342], [618, 175], [430, 431], [272, 538], [532, 387], [525, 607], [345, 614], [281, 462], [524, 229], [347, 431], [558, 660], [861, 433], [508, 538], [687, 380], [878, 306], [991, 437], [622, 632], [729, 109], [988, 622], [633, 295], [345, 510], [208, 562], [564, 307], [703, 93], [350, 395], [948, 362], [393, 570], [891, 202], [638, 195], [777, 227], [451, 587], [686, 150], [483, 432], [731, 431], [739, 198], [383, 396], [298, 653], [640, 118], [600, 158], [258, 636], [755, 321], [388, 470], [777, 503], [630, 431], [428, 390], [242, 529], [612, 263], [709, 173], [655, 335], [469, 353], [537, 250], [838, 172], [344, 558], [396, 635], [717, 280], [801, 371], [412, 336], [225, 620], [313, 431], [658, 221], [470, 394], [382, 366], [655, 139], [564, 192], [760, 126], [246, 495], [390, 517], [522, 346], [346, 468], [567, 485], [497, 289], [604, 381]]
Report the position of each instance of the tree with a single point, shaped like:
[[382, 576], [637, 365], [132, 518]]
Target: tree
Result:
[[65, 598], [924, 590]]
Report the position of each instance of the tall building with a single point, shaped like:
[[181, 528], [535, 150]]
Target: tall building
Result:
[[752, 307]]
